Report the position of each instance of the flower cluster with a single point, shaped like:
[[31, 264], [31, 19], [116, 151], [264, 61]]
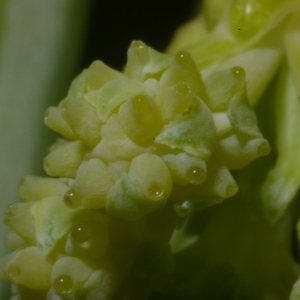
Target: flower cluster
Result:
[[141, 150], [158, 118]]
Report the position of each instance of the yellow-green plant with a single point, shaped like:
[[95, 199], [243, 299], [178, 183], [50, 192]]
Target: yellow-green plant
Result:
[[136, 203]]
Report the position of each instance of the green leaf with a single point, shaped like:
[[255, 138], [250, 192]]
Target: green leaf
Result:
[[283, 180]]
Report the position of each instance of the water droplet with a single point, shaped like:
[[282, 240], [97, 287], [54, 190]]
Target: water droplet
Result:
[[156, 192], [183, 88], [64, 111], [141, 103], [196, 175], [138, 44], [81, 233], [184, 59], [263, 149], [14, 272], [46, 115], [239, 73], [139, 49], [183, 209], [63, 285], [71, 199], [46, 166], [231, 190]]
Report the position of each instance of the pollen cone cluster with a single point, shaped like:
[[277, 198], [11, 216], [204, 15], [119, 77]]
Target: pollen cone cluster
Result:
[[141, 150]]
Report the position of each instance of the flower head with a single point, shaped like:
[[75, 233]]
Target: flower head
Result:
[[145, 149], [150, 142]]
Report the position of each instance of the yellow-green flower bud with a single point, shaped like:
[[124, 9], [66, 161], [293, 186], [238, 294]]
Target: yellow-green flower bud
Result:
[[28, 267]]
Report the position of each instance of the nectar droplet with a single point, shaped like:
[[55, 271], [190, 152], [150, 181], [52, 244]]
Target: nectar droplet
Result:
[[183, 88], [46, 166], [46, 115], [156, 192], [141, 103], [138, 44], [63, 285], [14, 272], [196, 175], [263, 149], [231, 190], [140, 49], [71, 199], [184, 59], [239, 73], [64, 110], [81, 233], [183, 209]]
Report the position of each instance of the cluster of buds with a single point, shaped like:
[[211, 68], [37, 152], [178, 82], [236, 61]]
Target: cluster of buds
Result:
[[141, 150], [134, 137]]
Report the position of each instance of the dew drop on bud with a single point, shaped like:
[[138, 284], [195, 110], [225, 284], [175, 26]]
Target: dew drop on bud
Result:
[[196, 175], [71, 199], [81, 233], [63, 285], [263, 149], [138, 44], [184, 209], [231, 190], [140, 49], [239, 73], [184, 59], [14, 272], [156, 192], [46, 116], [182, 88], [141, 104], [64, 110], [46, 166]]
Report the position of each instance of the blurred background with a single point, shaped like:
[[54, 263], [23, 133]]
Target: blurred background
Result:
[[43, 46], [112, 25]]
